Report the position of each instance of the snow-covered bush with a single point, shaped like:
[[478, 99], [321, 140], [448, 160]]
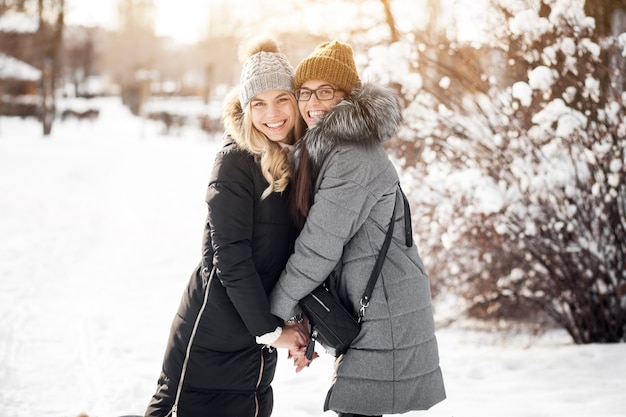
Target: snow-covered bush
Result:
[[514, 155]]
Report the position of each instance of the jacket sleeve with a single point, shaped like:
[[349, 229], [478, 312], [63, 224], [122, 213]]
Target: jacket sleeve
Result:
[[341, 206], [230, 200]]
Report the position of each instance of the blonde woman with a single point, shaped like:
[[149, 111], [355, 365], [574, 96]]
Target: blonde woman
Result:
[[220, 357]]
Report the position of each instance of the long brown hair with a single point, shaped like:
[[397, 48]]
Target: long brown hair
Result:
[[301, 197]]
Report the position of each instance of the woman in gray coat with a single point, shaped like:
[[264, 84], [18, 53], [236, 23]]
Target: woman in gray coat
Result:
[[346, 188]]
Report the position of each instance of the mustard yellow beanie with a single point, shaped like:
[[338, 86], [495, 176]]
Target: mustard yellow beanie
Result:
[[331, 61]]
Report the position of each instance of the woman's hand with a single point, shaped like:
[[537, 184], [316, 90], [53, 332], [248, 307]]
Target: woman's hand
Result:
[[299, 358], [298, 353], [291, 337]]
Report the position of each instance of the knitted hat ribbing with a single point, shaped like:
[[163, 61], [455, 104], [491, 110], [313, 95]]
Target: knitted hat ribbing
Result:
[[330, 61], [265, 68]]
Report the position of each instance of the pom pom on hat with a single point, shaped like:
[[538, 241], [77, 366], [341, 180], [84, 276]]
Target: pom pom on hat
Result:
[[331, 61], [264, 68]]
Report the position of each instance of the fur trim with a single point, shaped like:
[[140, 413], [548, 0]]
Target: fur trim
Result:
[[369, 116], [232, 118], [256, 45]]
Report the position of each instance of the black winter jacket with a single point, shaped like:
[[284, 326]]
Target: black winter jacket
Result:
[[246, 244]]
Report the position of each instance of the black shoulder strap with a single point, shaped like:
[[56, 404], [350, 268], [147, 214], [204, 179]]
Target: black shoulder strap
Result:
[[408, 229], [367, 295]]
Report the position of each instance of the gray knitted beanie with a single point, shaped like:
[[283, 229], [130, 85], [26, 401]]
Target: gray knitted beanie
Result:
[[264, 68]]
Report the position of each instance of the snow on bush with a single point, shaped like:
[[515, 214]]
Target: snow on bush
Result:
[[517, 173]]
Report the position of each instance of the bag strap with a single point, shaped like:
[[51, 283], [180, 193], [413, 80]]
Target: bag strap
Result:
[[408, 229], [367, 295]]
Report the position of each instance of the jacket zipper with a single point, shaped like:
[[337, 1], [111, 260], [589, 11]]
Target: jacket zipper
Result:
[[258, 384], [174, 411]]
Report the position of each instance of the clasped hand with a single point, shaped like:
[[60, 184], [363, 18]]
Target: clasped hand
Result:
[[295, 337]]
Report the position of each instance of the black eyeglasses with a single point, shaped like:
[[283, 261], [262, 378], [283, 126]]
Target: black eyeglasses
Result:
[[322, 94]]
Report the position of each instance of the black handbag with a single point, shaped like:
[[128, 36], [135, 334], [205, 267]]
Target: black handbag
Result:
[[332, 324]]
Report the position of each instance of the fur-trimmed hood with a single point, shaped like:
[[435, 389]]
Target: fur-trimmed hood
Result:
[[232, 118], [369, 116]]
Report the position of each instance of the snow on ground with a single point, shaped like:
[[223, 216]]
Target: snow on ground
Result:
[[100, 227]]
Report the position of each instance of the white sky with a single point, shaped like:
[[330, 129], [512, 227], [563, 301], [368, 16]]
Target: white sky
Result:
[[184, 20], [187, 20]]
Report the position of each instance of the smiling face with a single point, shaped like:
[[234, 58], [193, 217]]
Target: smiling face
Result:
[[314, 109], [273, 114]]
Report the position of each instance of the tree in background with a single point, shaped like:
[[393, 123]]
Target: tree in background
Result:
[[50, 36], [514, 151], [45, 50], [133, 50], [604, 13], [79, 58]]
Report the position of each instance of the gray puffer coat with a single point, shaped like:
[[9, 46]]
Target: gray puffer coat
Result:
[[392, 366]]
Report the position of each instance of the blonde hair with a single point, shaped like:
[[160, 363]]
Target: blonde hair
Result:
[[276, 163]]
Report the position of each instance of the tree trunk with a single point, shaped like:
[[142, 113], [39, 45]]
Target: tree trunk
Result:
[[50, 42], [602, 11], [393, 30]]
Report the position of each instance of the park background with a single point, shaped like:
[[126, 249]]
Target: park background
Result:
[[511, 152]]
